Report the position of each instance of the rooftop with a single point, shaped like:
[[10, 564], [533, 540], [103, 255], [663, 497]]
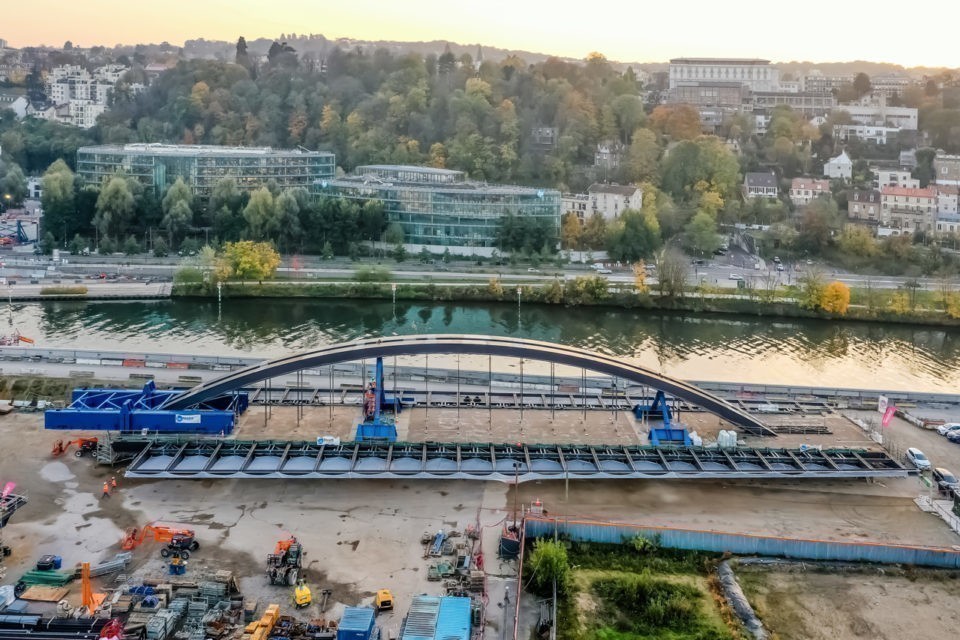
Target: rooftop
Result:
[[437, 618], [759, 179], [369, 168], [157, 149], [616, 189], [908, 192], [755, 61], [810, 183]]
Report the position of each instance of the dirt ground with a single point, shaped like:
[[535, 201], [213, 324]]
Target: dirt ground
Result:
[[837, 606]]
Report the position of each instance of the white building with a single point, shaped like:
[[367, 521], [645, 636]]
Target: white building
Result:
[[34, 188], [610, 200], [576, 203], [756, 74], [815, 81], [947, 200], [760, 185], [880, 115], [909, 209], [946, 168], [948, 224], [840, 167], [803, 191], [78, 96], [889, 84], [893, 178], [865, 132]]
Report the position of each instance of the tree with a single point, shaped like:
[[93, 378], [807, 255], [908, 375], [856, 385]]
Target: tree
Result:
[[701, 234], [640, 277], [812, 287], [643, 156], [131, 246], [259, 213], [633, 235], [115, 206], [672, 270], [242, 58], [861, 84], [594, 234], [678, 121], [177, 214], [835, 298], [48, 243], [820, 220], [160, 249], [394, 233], [571, 230], [13, 186], [250, 260], [694, 167], [59, 208]]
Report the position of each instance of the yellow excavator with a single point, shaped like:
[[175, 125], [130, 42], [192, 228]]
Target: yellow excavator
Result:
[[302, 597]]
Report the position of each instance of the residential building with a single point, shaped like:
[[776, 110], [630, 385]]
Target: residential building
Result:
[[760, 185], [576, 203], [948, 223], [886, 177], [908, 159], [806, 103], [909, 210], [78, 96], [441, 206], [803, 191], [608, 155], [757, 75], [947, 200], [34, 187], [610, 200], [881, 115], [866, 132], [544, 138], [790, 86], [889, 84], [201, 166], [946, 168], [839, 168], [864, 205], [816, 82]]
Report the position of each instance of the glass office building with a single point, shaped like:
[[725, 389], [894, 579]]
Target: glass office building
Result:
[[440, 206], [202, 166]]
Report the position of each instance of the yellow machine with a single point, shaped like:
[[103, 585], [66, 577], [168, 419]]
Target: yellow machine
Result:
[[301, 595], [384, 600]]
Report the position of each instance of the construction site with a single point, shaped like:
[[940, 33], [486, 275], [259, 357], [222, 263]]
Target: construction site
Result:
[[304, 498]]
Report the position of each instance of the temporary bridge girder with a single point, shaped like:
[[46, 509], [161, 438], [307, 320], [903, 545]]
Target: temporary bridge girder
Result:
[[213, 458]]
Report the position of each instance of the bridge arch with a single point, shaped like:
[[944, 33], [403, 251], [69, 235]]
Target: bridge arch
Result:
[[467, 345]]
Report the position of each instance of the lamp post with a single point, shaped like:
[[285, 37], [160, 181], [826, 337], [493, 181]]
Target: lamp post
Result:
[[519, 294]]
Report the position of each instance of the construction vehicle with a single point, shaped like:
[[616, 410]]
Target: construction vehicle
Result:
[[176, 540], [383, 601], [302, 597], [284, 564], [84, 446]]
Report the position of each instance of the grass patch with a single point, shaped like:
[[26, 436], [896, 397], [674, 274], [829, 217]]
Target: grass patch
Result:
[[78, 290], [640, 592]]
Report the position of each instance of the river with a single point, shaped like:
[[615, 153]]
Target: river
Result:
[[695, 347]]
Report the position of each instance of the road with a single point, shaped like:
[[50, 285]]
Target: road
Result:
[[718, 271]]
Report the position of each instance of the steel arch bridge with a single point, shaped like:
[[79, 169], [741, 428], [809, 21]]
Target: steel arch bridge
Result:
[[467, 345]]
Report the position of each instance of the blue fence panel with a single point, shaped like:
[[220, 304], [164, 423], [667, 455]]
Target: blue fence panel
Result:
[[744, 544]]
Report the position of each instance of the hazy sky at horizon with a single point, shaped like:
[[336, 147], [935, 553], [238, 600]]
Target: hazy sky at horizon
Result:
[[880, 31]]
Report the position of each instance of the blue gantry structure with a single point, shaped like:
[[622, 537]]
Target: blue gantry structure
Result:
[[133, 411]]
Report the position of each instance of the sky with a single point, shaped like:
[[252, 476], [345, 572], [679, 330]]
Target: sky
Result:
[[911, 34]]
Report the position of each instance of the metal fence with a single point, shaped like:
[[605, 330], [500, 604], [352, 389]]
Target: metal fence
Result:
[[747, 544]]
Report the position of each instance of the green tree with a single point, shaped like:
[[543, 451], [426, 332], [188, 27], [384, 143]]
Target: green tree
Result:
[[812, 287], [131, 246], [820, 220], [160, 248], [285, 224], [672, 271], [13, 186], [59, 208], [594, 234], [177, 212], [861, 84], [260, 214], [856, 240], [701, 234], [643, 157], [394, 233], [634, 235], [115, 206], [248, 260]]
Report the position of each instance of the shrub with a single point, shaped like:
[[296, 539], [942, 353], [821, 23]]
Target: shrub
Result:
[[372, 274], [64, 291], [549, 562]]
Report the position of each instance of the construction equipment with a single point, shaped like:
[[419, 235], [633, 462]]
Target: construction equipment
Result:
[[383, 601], [84, 446], [301, 595], [89, 600], [284, 564], [176, 540]]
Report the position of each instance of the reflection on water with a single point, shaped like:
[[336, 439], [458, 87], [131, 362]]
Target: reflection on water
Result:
[[689, 346]]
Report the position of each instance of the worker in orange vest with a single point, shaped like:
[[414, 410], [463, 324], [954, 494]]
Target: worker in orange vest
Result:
[[106, 490], [113, 482]]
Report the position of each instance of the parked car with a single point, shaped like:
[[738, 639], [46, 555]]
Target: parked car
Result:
[[736, 276], [945, 480], [944, 429], [954, 436], [604, 271], [533, 270], [918, 458], [779, 267]]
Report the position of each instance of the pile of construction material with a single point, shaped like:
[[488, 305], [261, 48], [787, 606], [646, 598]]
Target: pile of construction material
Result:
[[181, 609], [460, 562]]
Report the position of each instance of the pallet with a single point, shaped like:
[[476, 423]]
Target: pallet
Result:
[[45, 594]]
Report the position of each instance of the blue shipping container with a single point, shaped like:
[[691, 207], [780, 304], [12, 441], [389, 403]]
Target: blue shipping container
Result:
[[356, 623]]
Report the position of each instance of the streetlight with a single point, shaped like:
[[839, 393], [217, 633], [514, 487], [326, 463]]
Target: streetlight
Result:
[[519, 293]]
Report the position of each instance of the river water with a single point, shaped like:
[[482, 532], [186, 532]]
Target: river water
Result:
[[695, 347]]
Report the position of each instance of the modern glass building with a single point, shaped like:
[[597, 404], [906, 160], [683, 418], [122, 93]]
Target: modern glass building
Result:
[[202, 166], [440, 206]]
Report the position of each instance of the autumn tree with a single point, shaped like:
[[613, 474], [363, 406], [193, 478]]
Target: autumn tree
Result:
[[248, 260], [640, 277], [835, 298], [677, 121], [571, 230]]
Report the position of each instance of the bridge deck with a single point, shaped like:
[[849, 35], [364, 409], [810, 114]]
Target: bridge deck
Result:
[[214, 458]]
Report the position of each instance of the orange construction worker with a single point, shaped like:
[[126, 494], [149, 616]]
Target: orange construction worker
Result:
[[106, 490], [113, 482]]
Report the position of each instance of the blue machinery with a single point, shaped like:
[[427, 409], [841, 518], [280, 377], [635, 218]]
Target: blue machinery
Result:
[[660, 410], [376, 425], [132, 411]]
